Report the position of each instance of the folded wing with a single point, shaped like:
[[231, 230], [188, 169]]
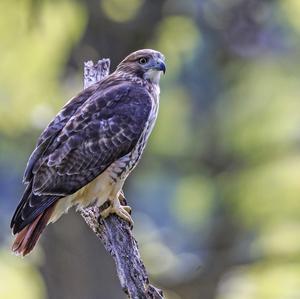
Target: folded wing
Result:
[[104, 125]]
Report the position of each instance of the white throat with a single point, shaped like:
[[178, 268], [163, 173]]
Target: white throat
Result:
[[153, 76]]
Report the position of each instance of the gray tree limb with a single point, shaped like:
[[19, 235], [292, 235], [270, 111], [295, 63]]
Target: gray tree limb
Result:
[[114, 232]]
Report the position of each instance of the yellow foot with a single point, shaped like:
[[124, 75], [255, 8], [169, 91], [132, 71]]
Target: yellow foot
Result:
[[116, 208]]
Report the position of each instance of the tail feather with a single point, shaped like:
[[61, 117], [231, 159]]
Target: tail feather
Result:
[[30, 234]]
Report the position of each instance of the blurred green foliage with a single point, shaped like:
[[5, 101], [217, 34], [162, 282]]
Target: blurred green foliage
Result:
[[34, 49], [19, 279], [121, 11]]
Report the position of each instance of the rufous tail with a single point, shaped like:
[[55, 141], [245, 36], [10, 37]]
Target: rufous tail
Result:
[[30, 234]]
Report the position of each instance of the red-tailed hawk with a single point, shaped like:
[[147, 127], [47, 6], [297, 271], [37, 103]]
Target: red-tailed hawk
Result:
[[86, 153]]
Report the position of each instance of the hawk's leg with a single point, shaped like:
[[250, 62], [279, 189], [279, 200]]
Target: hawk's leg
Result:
[[115, 207]]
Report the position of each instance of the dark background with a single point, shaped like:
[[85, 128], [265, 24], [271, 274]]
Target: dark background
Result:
[[216, 196]]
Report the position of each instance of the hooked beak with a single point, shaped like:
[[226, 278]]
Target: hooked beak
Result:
[[160, 66]]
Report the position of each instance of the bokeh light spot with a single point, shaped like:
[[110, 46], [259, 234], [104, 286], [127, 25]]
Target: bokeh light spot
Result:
[[18, 279], [119, 10], [177, 38], [193, 201]]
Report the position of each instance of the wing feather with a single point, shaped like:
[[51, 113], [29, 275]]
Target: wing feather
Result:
[[106, 128], [99, 126], [54, 128]]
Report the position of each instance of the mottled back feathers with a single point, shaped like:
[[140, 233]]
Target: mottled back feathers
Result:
[[93, 130]]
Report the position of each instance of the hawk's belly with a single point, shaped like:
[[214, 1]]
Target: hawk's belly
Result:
[[100, 189]]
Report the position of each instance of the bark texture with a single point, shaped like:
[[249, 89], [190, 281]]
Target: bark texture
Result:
[[114, 232]]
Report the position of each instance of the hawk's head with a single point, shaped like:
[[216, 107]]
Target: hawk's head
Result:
[[146, 64]]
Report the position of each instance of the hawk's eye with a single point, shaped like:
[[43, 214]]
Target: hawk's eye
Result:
[[143, 60]]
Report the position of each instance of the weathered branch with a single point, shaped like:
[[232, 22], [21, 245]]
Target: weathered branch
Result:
[[114, 232]]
